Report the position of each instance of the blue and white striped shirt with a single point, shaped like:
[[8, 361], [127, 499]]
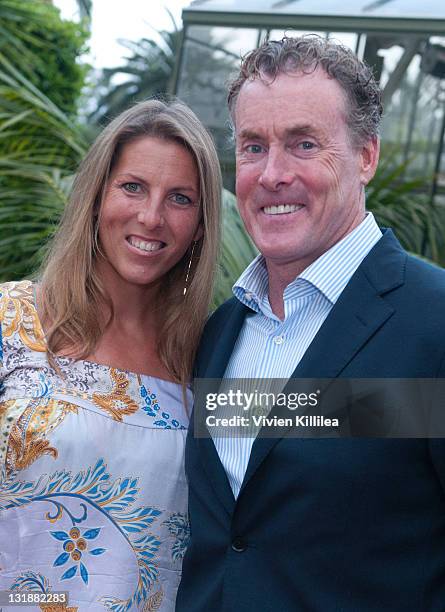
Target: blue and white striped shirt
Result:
[[270, 348]]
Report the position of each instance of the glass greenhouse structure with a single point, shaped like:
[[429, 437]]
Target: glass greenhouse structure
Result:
[[403, 40]]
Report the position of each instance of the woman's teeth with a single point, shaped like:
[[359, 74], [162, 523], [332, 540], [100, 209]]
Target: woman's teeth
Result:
[[152, 245], [282, 209]]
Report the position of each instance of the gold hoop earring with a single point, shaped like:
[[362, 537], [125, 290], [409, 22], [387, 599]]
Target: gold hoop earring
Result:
[[189, 267], [96, 249]]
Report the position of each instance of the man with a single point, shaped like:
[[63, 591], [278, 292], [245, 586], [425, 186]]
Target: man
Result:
[[309, 524]]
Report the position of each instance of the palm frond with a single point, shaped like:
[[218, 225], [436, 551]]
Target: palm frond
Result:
[[237, 250], [40, 146], [147, 72], [404, 204]]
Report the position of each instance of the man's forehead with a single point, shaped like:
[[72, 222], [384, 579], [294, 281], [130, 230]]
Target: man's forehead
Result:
[[286, 78], [291, 99]]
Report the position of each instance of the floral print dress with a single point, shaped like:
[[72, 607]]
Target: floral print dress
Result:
[[93, 496]]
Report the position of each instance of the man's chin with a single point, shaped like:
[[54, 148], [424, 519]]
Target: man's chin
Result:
[[290, 263], [280, 256]]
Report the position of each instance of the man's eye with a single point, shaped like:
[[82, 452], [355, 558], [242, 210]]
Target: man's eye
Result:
[[131, 187], [180, 198], [254, 148], [306, 145]]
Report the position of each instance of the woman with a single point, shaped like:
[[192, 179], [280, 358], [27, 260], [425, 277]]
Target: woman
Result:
[[95, 362]]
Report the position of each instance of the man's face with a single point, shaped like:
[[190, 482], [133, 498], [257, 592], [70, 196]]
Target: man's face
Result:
[[299, 179]]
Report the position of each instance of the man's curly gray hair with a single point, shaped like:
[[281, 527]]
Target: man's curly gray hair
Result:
[[305, 54]]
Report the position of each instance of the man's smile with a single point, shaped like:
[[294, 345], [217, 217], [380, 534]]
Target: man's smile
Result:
[[281, 209]]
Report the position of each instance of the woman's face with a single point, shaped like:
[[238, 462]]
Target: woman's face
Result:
[[150, 213]]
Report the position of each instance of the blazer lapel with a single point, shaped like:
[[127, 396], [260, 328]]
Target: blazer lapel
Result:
[[358, 314], [224, 341], [215, 368]]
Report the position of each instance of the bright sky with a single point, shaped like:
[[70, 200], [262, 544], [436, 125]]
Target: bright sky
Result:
[[127, 19]]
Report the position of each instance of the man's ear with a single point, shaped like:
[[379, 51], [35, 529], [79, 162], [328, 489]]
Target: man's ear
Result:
[[199, 232], [369, 158]]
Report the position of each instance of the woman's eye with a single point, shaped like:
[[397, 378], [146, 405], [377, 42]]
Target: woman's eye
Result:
[[180, 198], [131, 187]]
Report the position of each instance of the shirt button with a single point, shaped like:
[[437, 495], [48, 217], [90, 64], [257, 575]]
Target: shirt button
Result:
[[248, 296], [239, 545], [278, 339]]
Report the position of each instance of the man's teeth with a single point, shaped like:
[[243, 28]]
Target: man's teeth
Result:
[[282, 209], [144, 245]]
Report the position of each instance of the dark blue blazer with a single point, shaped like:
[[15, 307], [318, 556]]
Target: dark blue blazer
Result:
[[351, 525]]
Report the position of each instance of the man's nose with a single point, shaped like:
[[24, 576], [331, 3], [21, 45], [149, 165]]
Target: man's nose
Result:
[[277, 171], [151, 213]]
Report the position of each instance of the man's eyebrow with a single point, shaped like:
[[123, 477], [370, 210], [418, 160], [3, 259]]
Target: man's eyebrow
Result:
[[296, 130], [309, 131], [249, 135]]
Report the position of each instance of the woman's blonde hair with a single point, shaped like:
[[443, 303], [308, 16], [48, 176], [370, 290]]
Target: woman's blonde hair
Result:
[[72, 296]]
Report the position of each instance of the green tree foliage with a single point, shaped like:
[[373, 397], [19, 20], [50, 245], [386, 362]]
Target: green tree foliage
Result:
[[147, 72], [237, 249], [39, 148], [40, 143], [404, 204], [36, 40]]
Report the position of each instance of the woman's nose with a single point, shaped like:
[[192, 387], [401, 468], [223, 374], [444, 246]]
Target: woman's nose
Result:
[[151, 214]]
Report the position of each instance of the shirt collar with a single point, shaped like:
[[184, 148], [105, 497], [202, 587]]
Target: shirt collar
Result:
[[328, 274], [252, 286]]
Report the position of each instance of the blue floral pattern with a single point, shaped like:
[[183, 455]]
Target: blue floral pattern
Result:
[[93, 488], [152, 408], [93, 458], [179, 527], [75, 545], [31, 581]]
